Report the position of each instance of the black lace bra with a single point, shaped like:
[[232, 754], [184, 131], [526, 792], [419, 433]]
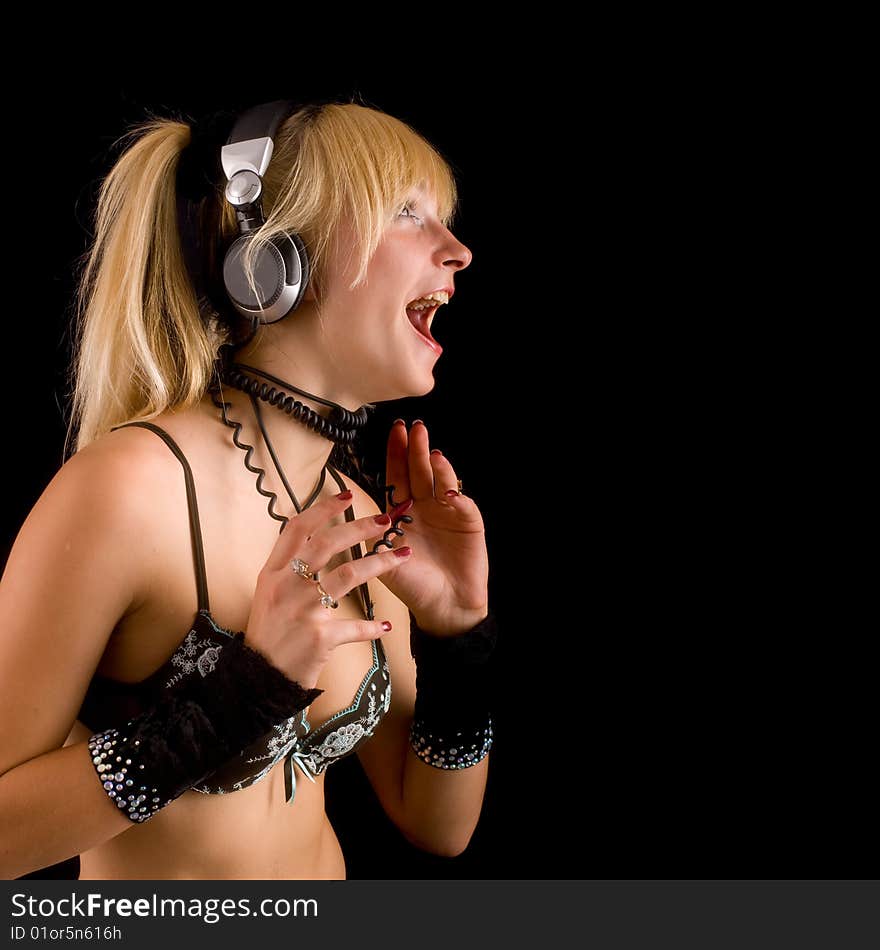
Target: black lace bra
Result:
[[110, 703]]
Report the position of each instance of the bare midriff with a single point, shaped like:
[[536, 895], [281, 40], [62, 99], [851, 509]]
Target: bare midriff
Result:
[[251, 834]]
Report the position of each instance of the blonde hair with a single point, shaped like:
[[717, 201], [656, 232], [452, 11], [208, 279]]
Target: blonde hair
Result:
[[141, 345]]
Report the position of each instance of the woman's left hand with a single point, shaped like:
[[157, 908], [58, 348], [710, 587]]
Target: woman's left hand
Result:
[[445, 581]]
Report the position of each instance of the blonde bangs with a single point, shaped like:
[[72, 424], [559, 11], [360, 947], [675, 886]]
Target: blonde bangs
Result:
[[349, 160]]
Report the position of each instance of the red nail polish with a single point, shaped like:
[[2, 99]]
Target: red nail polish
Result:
[[452, 491], [401, 509], [399, 422], [344, 496], [402, 552], [436, 452], [386, 624], [382, 519], [418, 422]]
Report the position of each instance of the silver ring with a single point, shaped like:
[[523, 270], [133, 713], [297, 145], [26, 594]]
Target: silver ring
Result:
[[302, 568], [326, 600]]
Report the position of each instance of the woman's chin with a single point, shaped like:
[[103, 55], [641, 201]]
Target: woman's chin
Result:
[[415, 385], [424, 390], [420, 387], [423, 377]]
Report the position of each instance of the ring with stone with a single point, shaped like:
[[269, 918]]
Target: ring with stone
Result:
[[326, 600], [302, 568]]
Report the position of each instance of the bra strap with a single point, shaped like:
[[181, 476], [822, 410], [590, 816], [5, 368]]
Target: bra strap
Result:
[[363, 589], [194, 526]]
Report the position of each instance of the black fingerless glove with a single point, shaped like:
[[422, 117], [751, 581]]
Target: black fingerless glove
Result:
[[193, 729], [452, 722]]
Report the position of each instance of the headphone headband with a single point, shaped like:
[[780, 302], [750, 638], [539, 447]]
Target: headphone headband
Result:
[[250, 143]]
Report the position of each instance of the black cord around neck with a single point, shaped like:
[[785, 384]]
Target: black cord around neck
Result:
[[356, 419], [340, 427]]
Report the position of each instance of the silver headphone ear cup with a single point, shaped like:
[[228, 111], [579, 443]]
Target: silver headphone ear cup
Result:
[[268, 277], [281, 274]]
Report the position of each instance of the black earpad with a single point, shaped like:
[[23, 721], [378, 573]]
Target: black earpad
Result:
[[281, 275]]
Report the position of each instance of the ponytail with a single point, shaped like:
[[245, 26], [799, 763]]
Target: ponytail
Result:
[[140, 346]]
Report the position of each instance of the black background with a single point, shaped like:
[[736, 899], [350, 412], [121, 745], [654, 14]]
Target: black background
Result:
[[660, 714]]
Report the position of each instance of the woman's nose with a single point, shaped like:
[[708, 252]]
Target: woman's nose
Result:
[[460, 254]]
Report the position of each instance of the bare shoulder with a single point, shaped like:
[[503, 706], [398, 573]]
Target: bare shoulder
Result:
[[131, 446], [91, 501], [80, 563], [362, 501], [101, 499], [105, 477], [121, 470]]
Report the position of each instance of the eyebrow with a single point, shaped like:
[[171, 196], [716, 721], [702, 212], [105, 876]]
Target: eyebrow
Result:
[[421, 198]]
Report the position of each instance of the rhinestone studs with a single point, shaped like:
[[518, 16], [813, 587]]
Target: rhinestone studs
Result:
[[458, 752], [101, 747]]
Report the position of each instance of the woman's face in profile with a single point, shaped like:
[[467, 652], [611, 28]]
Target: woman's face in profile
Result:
[[382, 352]]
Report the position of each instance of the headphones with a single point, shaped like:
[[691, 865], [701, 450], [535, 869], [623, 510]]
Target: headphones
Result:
[[281, 269]]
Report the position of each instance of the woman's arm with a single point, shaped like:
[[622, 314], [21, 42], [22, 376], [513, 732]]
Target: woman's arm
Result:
[[435, 809], [78, 565], [52, 808]]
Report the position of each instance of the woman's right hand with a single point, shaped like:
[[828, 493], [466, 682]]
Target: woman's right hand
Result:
[[287, 622]]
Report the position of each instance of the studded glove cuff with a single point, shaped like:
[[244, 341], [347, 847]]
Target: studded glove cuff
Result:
[[452, 723], [193, 729]]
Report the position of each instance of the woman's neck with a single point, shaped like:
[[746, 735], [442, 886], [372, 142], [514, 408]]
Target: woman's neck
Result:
[[294, 352], [301, 452]]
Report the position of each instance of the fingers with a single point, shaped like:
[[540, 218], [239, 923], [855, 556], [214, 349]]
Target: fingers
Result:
[[411, 466], [350, 631], [421, 475], [397, 462], [331, 540], [297, 531], [445, 479], [350, 574]]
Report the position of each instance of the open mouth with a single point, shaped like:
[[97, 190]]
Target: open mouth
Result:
[[421, 320], [420, 313]]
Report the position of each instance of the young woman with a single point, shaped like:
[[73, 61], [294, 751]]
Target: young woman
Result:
[[155, 746]]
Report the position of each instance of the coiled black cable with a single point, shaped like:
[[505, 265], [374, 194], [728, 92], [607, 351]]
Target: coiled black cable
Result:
[[394, 529], [227, 371], [222, 405], [339, 427], [293, 407]]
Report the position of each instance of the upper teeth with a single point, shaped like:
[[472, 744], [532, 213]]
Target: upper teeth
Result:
[[438, 297]]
